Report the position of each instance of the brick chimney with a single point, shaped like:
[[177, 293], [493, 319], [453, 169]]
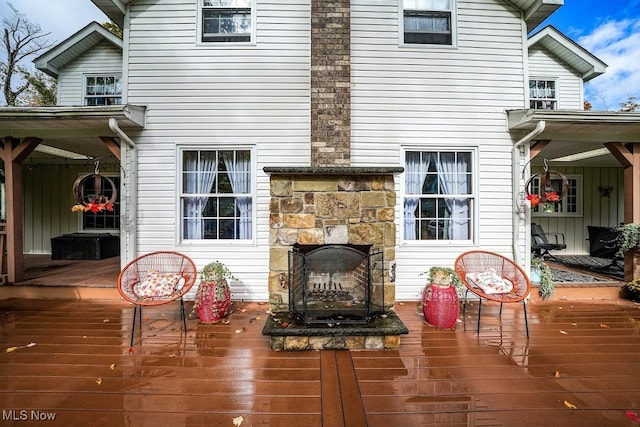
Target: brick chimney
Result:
[[330, 83]]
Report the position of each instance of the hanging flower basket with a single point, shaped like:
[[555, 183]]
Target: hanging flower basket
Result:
[[96, 201], [547, 194]]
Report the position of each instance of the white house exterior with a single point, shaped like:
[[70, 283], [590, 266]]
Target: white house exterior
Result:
[[247, 96]]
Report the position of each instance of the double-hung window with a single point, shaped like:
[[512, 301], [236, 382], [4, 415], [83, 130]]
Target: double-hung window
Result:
[[439, 195], [428, 21], [103, 90], [227, 20], [543, 95], [217, 194]]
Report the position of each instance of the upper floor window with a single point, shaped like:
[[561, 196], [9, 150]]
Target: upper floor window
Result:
[[216, 194], [439, 196], [543, 95], [102, 90], [226, 20], [428, 21]]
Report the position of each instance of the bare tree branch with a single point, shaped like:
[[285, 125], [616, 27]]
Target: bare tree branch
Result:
[[21, 40]]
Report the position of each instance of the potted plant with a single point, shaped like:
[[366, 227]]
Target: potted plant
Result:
[[213, 297], [628, 238], [440, 301], [631, 290], [540, 269]]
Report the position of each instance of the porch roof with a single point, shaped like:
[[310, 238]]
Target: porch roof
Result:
[[577, 131], [72, 129]]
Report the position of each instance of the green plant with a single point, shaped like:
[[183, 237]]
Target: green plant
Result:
[[214, 279], [628, 238], [445, 276], [631, 290], [547, 288]]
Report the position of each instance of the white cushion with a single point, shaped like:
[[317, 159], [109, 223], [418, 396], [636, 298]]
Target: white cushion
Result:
[[490, 282], [157, 284]]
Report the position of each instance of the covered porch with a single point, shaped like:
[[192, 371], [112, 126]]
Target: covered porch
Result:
[[602, 148]]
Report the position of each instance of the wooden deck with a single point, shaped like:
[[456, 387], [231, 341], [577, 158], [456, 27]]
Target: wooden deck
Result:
[[72, 362]]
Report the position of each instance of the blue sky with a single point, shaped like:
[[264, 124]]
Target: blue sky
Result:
[[609, 29]]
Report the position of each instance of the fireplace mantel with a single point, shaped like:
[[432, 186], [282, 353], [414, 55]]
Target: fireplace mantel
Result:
[[333, 171]]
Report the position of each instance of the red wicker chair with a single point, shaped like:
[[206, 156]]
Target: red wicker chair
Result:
[[478, 261], [157, 278]]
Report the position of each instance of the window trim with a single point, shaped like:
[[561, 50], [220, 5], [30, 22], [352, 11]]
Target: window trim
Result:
[[537, 210], [180, 148], [473, 196], [454, 28], [545, 79], [223, 44], [85, 96], [81, 227]]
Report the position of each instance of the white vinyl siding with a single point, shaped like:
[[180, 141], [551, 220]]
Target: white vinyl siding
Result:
[[431, 98], [233, 94], [102, 59], [544, 66]]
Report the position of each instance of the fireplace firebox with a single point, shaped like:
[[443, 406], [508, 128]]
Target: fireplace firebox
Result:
[[333, 284]]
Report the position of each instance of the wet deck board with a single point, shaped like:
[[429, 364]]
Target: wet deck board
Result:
[[80, 369]]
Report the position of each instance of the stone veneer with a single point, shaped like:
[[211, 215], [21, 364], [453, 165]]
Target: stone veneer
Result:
[[318, 206]]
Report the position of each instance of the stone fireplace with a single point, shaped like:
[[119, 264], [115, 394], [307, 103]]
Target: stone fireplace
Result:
[[351, 212], [332, 207]]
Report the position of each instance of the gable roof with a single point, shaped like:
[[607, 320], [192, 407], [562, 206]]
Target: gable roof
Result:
[[577, 57], [60, 55]]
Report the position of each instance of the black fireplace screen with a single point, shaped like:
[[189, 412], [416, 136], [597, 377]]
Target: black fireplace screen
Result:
[[333, 284]]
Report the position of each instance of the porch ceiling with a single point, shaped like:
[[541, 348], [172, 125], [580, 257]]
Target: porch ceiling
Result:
[[73, 129], [573, 132]]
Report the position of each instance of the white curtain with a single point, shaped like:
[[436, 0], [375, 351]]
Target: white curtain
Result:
[[454, 179], [415, 175], [239, 171], [201, 168]]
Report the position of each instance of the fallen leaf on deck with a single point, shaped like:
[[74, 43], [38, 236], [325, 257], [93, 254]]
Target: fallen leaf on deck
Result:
[[633, 416], [570, 405], [172, 355], [400, 303], [574, 324], [225, 322], [242, 310], [238, 331], [602, 325], [105, 321], [258, 317], [98, 381], [10, 349], [131, 350], [564, 332], [112, 366], [557, 374], [237, 421]]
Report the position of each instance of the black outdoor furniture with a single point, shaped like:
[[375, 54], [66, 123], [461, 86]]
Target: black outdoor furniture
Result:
[[542, 243]]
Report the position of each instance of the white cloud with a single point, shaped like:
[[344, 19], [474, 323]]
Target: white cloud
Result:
[[617, 43]]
